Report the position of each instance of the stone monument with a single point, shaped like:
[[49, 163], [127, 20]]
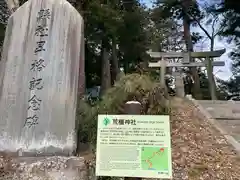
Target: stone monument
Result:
[[39, 74]]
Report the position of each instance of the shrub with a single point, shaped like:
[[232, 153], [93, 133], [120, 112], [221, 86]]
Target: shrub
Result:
[[130, 87]]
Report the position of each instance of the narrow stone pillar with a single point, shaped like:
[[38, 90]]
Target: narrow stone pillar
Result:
[[132, 107], [179, 84]]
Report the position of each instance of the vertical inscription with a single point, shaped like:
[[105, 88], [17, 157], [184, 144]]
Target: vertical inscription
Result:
[[36, 83]]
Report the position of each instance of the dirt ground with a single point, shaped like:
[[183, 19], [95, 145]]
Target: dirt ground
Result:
[[199, 151]]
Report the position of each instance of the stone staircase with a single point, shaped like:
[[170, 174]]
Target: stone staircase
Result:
[[227, 114], [222, 109]]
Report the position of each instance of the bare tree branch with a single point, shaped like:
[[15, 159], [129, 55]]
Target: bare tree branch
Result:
[[200, 25]]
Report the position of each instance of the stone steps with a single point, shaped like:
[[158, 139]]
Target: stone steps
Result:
[[222, 109], [227, 114]]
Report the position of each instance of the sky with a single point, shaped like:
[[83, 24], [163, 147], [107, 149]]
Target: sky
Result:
[[147, 2], [221, 72]]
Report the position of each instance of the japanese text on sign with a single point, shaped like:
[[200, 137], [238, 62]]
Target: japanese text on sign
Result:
[[134, 146], [38, 64]]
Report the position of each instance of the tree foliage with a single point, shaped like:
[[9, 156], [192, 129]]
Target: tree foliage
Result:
[[229, 10], [130, 87], [118, 33], [115, 27], [4, 13]]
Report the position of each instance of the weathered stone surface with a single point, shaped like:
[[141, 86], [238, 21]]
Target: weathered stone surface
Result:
[[39, 75], [232, 127], [179, 84], [43, 168], [222, 109]]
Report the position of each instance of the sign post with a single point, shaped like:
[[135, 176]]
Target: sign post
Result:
[[134, 146], [133, 107]]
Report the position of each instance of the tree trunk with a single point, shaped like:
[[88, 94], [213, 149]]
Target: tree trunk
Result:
[[115, 64], [106, 74], [189, 46], [126, 65]]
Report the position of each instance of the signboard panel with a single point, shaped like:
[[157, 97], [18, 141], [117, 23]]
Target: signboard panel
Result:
[[134, 146]]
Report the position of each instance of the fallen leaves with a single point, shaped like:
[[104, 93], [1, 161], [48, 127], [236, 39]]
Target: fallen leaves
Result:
[[199, 151]]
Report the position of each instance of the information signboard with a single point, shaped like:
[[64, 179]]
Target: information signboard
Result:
[[134, 146]]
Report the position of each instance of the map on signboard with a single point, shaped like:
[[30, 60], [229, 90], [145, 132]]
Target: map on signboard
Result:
[[154, 158]]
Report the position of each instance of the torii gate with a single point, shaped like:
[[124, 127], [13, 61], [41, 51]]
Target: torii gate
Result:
[[208, 55]]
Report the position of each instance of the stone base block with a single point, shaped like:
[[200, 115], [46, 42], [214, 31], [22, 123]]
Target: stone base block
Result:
[[43, 168]]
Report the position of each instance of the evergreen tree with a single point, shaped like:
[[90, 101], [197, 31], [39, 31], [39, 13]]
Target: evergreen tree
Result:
[[187, 11], [117, 35], [230, 12]]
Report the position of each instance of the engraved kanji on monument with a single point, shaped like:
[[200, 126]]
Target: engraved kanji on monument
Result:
[[39, 76]]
